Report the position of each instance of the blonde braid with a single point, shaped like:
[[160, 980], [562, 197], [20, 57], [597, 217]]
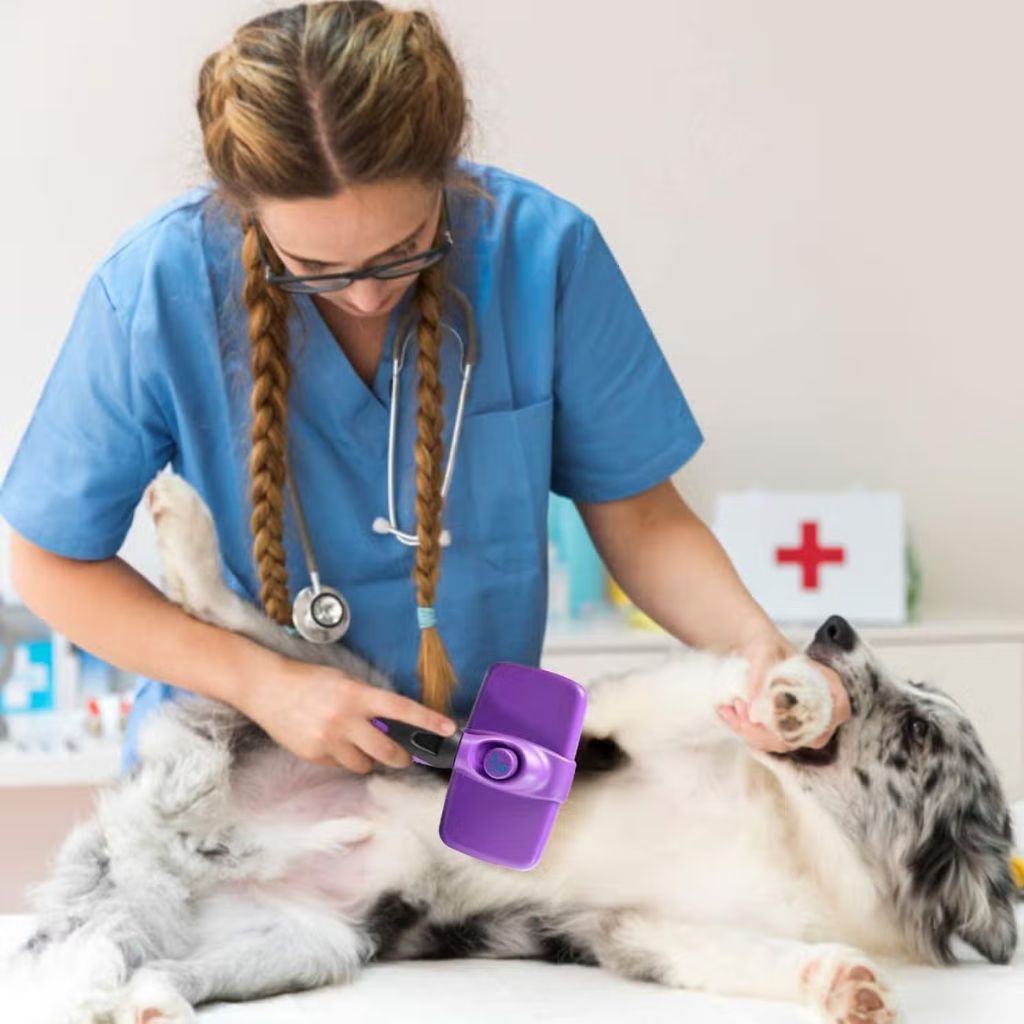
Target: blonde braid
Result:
[[436, 675], [268, 333]]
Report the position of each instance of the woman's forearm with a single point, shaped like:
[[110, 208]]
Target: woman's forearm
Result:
[[117, 614], [673, 568]]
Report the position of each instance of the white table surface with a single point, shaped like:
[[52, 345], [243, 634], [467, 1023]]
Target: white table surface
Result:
[[518, 991]]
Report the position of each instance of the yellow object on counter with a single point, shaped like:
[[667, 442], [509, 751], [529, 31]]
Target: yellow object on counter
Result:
[[1017, 870], [635, 617]]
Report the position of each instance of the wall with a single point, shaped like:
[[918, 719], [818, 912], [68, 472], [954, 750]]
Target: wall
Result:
[[818, 205]]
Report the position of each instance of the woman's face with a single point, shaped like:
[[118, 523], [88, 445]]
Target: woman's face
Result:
[[359, 227]]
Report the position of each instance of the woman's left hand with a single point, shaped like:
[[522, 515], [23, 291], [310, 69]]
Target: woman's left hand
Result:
[[762, 655]]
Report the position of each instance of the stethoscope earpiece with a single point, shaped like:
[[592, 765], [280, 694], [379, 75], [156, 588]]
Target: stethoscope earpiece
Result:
[[381, 525]]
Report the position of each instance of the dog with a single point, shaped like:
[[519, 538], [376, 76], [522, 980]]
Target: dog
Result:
[[225, 867]]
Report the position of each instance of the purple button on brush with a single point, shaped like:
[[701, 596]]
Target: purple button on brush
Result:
[[500, 762], [512, 766]]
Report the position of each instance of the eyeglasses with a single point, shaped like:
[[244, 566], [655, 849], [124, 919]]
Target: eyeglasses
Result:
[[313, 283]]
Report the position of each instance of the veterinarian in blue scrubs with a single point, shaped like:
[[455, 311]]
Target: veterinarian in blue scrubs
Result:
[[570, 393]]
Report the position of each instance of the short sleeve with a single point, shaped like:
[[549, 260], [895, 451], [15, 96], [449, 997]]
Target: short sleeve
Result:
[[93, 442], [621, 421]]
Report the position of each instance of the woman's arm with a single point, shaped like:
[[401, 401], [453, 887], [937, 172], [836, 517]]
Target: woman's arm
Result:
[[318, 712], [117, 614], [673, 568]]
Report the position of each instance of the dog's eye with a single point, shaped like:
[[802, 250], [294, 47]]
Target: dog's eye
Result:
[[918, 729]]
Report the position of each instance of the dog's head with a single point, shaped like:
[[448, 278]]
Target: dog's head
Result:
[[908, 778]]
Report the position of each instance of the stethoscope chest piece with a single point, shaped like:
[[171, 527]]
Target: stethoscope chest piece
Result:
[[320, 614]]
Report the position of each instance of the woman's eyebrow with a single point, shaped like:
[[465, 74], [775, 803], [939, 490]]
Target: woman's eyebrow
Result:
[[326, 263]]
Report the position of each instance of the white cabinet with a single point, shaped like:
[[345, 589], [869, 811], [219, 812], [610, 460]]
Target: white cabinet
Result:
[[979, 664]]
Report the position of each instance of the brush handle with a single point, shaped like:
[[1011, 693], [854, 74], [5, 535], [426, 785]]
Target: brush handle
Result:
[[426, 747]]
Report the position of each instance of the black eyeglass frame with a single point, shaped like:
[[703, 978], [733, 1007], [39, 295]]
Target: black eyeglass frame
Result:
[[330, 281]]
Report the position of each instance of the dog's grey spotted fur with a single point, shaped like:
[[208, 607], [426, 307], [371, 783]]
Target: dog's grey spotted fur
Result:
[[925, 806]]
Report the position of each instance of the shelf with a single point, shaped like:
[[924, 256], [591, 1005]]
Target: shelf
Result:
[[95, 766], [613, 633]]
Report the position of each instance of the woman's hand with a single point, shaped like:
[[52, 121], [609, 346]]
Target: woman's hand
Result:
[[323, 715], [762, 655]]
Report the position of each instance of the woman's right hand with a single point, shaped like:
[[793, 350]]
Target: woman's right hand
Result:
[[323, 715]]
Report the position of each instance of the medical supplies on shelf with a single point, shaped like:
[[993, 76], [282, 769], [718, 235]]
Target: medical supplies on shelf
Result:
[[576, 574], [55, 696]]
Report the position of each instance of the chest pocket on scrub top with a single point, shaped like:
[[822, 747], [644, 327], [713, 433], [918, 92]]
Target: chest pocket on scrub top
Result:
[[498, 499]]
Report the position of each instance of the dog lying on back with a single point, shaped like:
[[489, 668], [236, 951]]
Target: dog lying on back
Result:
[[225, 867]]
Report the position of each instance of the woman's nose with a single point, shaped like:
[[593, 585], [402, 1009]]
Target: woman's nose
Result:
[[366, 296]]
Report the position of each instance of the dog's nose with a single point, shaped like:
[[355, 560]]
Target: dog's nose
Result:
[[837, 632]]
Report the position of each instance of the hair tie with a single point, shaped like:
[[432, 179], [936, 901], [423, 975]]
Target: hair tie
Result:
[[426, 615]]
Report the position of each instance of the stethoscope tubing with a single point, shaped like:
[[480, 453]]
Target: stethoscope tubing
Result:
[[305, 604], [397, 363]]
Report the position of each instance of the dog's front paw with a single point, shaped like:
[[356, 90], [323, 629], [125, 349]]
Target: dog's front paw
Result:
[[847, 988], [795, 702], [188, 542], [151, 998]]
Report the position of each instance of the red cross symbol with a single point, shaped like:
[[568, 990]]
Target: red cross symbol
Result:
[[809, 556]]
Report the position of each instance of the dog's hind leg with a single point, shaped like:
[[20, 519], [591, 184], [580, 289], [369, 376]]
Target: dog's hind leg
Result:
[[250, 948], [193, 578], [191, 561], [840, 982]]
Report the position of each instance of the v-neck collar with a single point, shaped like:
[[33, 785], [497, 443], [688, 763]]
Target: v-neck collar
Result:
[[382, 375], [329, 387]]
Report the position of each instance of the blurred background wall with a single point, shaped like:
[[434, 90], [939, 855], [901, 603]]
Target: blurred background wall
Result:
[[817, 203]]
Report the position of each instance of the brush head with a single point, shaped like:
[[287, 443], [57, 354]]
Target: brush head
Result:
[[514, 766]]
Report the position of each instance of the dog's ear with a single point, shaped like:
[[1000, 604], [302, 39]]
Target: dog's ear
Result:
[[961, 884], [995, 937]]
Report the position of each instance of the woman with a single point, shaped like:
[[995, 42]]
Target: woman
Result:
[[245, 333]]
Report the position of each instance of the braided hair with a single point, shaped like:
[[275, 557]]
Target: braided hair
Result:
[[306, 101]]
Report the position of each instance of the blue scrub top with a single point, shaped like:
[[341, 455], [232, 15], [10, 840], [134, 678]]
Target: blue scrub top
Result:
[[571, 393]]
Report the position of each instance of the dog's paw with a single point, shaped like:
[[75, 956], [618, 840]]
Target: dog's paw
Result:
[[795, 702], [847, 988], [187, 540], [74, 979], [151, 998]]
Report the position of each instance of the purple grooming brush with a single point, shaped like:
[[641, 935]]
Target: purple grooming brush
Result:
[[512, 766]]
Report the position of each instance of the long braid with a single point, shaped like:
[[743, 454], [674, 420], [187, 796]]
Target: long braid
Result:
[[437, 677], [268, 334], [305, 102]]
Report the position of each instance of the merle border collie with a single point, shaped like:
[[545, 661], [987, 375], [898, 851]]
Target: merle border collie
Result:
[[225, 867]]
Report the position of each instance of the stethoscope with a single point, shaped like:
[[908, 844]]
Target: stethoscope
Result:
[[320, 613]]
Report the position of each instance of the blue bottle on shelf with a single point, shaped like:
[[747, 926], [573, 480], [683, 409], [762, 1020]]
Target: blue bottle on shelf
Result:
[[575, 567]]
